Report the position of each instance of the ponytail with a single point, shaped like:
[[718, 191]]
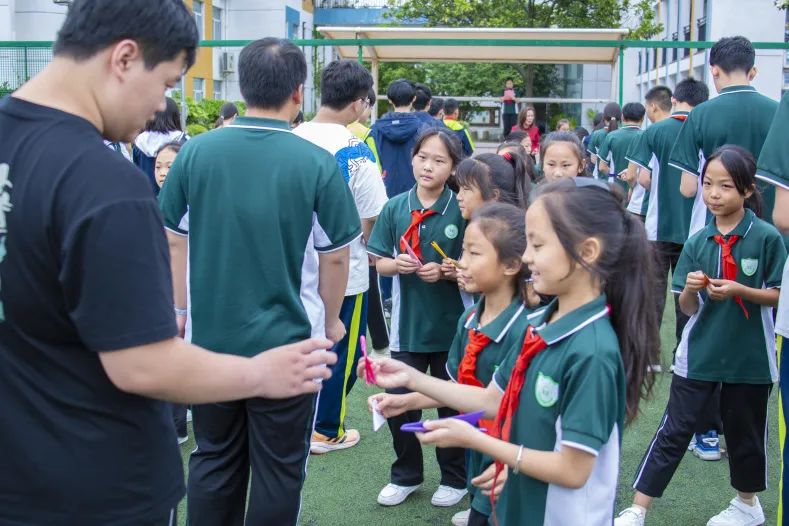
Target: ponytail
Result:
[[612, 113], [612, 124], [523, 168], [504, 178]]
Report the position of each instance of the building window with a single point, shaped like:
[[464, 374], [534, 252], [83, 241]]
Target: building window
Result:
[[702, 23], [197, 8], [217, 19], [675, 38], [786, 79], [218, 90], [198, 89]]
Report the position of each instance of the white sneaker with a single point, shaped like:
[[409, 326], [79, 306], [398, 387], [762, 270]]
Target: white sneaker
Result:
[[739, 514], [655, 368], [631, 516], [392, 494], [461, 518], [446, 496]]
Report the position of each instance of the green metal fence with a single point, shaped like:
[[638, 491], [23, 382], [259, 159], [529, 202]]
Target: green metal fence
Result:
[[18, 64]]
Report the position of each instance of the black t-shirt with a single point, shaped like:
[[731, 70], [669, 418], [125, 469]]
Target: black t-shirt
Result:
[[84, 267]]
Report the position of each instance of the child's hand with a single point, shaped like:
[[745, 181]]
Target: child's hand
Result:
[[406, 264], [449, 432], [485, 481], [723, 289], [448, 270], [389, 373], [390, 405], [695, 282], [335, 330], [429, 273]]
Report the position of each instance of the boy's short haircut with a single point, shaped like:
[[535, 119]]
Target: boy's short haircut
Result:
[[436, 105], [423, 96], [691, 91], [162, 29], [451, 106], [733, 54], [633, 112], [371, 95], [401, 92], [660, 96], [344, 82], [270, 70]]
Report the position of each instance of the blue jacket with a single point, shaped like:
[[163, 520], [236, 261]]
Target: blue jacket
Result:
[[393, 137], [429, 120]]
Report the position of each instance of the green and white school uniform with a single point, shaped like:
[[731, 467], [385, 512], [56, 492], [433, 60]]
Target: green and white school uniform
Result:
[[719, 344], [614, 152], [574, 396], [506, 332], [738, 115], [424, 315], [668, 211], [595, 140]]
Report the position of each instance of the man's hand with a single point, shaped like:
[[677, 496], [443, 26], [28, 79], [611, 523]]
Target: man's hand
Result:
[[406, 264], [292, 370], [429, 273]]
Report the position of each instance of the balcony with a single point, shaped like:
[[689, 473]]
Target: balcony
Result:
[[702, 28], [356, 12], [358, 4]]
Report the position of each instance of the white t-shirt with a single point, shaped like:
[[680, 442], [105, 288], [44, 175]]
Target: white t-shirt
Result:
[[358, 167]]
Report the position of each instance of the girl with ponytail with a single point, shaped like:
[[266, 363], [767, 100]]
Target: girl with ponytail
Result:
[[559, 415]]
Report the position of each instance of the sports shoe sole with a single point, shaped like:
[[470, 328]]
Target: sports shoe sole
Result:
[[320, 448], [388, 504], [706, 456]]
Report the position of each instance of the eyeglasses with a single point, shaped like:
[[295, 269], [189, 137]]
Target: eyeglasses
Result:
[[366, 101]]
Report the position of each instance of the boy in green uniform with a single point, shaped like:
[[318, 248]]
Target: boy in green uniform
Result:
[[262, 204], [613, 151], [773, 167], [739, 115]]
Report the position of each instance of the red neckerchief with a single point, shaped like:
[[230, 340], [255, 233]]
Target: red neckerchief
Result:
[[412, 234], [729, 265]]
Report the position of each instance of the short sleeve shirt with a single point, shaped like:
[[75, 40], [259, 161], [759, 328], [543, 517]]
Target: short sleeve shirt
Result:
[[773, 167], [84, 269], [719, 344], [738, 115], [595, 140], [613, 151], [262, 204], [573, 396], [424, 315]]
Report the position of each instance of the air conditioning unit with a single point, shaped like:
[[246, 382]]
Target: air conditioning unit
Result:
[[227, 63]]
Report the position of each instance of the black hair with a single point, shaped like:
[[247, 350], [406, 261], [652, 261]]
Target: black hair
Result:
[[343, 82], [371, 96], [504, 226], [563, 136], [741, 166], [661, 96], [227, 111], [451, 143], [597, 121], [270, 70], [581, 133], [624, 268], [633, 112], [401, 93], [522, 116], [508, 79], [162, 29], [436, 105], [299, 118], [520, 150], [733, 54], [692, 92], [165, 121], [518, 135], [560, 122], [451, 106], [174, 146], [612, 114], [423, 96], [504, 178]]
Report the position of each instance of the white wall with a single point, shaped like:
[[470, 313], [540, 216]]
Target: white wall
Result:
[[38, 19]]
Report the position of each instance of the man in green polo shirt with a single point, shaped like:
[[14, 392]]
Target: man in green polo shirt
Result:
[[262, 204], [739, 116], [773, 167]]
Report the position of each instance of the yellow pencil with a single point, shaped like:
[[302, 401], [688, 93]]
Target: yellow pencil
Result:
[[443, 255]]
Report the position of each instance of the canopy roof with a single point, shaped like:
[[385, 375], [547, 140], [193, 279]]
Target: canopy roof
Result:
[[477, 45]]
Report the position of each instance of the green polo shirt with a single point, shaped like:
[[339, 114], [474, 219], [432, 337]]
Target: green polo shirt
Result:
[[506, 331], [614, 152], [668, 211], [773, 167], [595, 140], [719, 344], [262, 203], [424, 315], [574, 396], [738, 115]]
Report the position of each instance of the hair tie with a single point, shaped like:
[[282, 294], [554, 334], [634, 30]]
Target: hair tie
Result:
[[509, 158]]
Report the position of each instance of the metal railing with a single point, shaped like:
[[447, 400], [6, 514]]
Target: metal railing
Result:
[[18, 64], [359, 4]]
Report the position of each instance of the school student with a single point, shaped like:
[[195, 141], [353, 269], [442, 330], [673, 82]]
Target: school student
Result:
[[773, 167], [251, 289], [164, 128], [452, 121], [436, 109], [668, 211], [359, 127], [425, 305], [492, 177], [489, 331], [422, 105], [611, 117], [562, 156], [344, 88], [612, 152], [517, 148], [738, 115], [561, 401], [227, 114], [728, 281]]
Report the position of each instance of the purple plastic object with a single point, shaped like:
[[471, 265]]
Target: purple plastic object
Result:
[[418, 427]]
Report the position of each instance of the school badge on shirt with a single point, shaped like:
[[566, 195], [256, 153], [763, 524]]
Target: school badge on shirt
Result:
[[749, 266], [546, 390], [451, 231]]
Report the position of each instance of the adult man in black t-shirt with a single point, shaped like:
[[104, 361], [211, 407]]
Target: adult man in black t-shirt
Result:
[[87, 328]]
